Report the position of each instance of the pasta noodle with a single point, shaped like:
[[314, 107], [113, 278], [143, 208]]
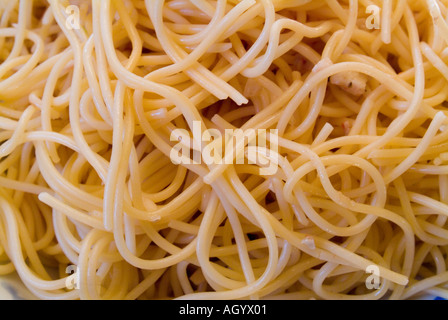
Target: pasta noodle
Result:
[[353, 103]]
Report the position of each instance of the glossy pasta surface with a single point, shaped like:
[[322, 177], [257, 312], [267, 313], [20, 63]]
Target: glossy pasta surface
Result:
[[200, 149]]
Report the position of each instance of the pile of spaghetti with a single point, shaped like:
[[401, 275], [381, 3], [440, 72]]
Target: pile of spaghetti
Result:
[[92, 92]]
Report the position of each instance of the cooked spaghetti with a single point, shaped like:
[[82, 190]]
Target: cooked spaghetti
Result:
[[92, 92]]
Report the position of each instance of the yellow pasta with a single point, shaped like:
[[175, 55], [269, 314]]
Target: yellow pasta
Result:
[[351, 98]]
